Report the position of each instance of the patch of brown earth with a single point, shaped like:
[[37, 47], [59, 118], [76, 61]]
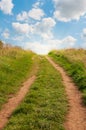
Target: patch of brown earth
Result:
[[76, 118], [13, 102]]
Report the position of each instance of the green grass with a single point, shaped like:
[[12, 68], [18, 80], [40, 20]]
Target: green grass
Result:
[[45, 106], [15, 67], [74, 62]]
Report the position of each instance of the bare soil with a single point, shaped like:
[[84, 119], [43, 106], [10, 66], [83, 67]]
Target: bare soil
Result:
[[13, 102], [76, 117]]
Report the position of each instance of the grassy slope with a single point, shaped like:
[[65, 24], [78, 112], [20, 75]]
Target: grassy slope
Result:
[[15, 66], [74, 62], [45, 105]]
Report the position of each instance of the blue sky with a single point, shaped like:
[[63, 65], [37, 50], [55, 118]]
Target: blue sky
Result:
[[43, 25]]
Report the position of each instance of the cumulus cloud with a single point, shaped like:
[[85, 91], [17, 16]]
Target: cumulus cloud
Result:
[[34, 13], [22, 28], [22, 16], [6, 34], [50, 44], [44, 28], [67, 10], [6, 6], [68, 42]]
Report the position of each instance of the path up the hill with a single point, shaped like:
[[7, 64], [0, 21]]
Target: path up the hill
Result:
[[13, 102], [76, 117]]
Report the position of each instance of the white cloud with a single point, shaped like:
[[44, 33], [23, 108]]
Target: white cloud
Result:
[[37, 47], [67, 10], [50, 44], [44, 28], [6, 34], [22, 28], [68, 42], [6, 6], [36, 13], [37, 4], [22, 16]]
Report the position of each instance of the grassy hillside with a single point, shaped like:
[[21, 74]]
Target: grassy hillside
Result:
[[45, 105], [74, 62], [15, 66]]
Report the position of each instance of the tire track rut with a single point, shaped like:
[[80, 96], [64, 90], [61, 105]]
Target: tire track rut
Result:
[[76, 117], [13, 102]]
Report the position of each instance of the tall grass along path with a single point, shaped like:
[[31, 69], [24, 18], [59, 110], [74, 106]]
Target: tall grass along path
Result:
[[76, 117], [13, 102]]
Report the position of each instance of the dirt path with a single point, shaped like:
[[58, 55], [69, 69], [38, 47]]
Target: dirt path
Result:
[[76, 118], [13, 102]]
